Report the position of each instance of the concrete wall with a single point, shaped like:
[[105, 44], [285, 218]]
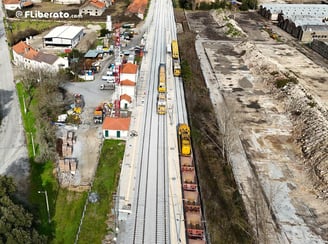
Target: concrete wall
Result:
[[12, 7], [131, 77], [320, 47], [124, 103], [129, 90], [310, 35], [112, 134]]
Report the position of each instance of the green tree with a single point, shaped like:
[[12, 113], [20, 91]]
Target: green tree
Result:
[[16, 223], [248, 4], [76, 62], [186, 71]]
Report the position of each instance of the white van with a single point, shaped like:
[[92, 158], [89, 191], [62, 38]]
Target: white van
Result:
[[108, 78]]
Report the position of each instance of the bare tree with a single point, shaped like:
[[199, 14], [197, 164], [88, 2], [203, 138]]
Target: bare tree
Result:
[[45, 88], [229, 129]]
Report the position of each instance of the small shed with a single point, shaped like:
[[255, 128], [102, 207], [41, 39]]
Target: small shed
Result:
[[116, 128], [125, 101]]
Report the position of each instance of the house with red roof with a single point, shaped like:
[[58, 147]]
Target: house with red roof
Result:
[[116, 128], [16, 4], [26, 56], [137, 7], [125, 101], [93, 8], [129, 71], [127, 87]]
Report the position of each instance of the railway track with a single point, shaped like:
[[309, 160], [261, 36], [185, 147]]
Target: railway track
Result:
[[150, 209]]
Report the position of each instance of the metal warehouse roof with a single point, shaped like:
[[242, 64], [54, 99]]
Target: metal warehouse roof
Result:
[[93, 53], [313, 10], [315, 28], [64, 32], [306, 20]]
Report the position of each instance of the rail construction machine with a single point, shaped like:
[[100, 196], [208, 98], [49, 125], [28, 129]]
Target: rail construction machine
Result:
[[161, 97], [175, 56], [194, 223]]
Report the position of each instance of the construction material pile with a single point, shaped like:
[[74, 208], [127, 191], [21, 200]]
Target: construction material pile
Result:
[[66, 164]]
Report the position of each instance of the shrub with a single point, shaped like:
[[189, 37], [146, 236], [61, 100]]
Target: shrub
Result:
[[281, 82]]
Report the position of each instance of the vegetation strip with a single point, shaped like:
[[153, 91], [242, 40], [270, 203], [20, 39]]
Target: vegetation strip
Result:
[[225, 214], [104, 185]]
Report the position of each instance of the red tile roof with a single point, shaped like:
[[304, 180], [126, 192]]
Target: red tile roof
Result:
[[27, 4], [25, 50], [112, 123], [97, 4], [129, 68], [127, 83], [137, 6], [11, 1], [126, 97]]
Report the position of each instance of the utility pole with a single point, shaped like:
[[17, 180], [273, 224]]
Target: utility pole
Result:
[[47, 203], [32, 140], [24, 104]]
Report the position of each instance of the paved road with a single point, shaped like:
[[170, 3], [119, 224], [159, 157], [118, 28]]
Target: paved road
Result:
[[13, 152]]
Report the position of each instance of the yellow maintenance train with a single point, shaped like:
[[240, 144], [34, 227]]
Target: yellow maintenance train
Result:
[[162, 78], [184, 139], [175, 49], [194, 221]]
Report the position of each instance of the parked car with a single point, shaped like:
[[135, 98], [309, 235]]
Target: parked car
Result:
[[108, 78]]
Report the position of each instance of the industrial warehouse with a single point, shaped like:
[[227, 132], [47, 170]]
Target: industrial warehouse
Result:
[[65, 36], [306, 22]]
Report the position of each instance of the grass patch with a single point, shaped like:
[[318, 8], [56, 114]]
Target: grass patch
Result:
[[105, 184], [27, 116], [232, 31], [69, 208], [41, 177], [38, 25], [42, 180], [65, 207]]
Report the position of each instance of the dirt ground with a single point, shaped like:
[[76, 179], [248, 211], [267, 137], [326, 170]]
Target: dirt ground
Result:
[[244, 67]]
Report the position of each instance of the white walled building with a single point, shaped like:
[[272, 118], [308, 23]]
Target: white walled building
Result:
[[93, 8], [129, 72], [16, 4], [127, 87], [125, 101], [116, 128], [24, 55], [67, 36]]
